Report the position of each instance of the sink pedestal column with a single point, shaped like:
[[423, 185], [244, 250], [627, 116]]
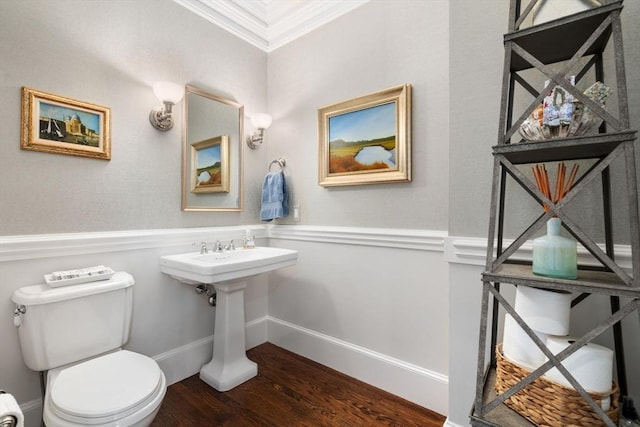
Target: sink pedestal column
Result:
[[230, 366]]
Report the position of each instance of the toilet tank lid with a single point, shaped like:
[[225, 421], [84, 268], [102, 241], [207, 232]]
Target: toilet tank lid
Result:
[[45, 294]]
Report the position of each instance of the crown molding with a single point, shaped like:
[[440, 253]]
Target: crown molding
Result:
[[269, 24]]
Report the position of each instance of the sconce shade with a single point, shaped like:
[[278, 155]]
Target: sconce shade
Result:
[[168, 91], [261, 120]]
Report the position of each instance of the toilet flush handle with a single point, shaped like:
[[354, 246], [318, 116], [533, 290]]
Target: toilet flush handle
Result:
[[17, 315]]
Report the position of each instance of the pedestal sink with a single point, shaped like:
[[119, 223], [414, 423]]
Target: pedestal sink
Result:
[[228, 272]]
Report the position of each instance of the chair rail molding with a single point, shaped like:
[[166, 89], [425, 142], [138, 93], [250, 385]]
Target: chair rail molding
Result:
[[470, 250], [417, 239], [36, 246], [24, 247]]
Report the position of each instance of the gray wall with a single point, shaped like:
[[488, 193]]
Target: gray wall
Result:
[[379, 45], [110, 53], [476, 60]]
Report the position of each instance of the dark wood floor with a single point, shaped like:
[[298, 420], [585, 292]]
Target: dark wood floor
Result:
[[289, 391]]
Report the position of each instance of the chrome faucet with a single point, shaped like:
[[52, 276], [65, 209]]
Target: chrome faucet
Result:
[[203, 249], [230, 246]]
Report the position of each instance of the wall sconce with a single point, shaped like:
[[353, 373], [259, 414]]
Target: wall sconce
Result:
[[170, 94], [261, 121]]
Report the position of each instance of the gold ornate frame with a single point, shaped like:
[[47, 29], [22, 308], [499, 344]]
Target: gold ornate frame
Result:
[[59, 125], [337, 160]]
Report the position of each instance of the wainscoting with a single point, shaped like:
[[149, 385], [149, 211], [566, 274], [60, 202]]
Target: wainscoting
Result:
[[395, 308], [371, 303]]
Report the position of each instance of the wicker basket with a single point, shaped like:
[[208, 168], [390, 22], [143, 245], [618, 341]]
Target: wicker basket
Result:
[[545, 403]]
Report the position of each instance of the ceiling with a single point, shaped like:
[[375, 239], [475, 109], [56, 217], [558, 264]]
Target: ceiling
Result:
[[269, 24]]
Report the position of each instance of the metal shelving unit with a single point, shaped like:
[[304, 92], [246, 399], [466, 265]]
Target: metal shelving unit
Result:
[[574, 41]]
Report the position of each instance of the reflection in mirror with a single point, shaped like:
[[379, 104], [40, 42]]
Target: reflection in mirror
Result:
[[211, 153]]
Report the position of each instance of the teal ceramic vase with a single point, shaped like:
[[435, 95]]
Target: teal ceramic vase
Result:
[[554, 255]]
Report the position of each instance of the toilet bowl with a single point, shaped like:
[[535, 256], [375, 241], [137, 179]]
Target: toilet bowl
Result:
[[76, 334], [119, 389]]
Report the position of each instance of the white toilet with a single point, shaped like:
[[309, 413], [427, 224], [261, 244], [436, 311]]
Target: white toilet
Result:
[[76, 333]]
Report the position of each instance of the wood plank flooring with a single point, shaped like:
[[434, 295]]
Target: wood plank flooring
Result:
[[289, 390]]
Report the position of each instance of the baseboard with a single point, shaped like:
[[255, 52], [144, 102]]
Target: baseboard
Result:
[[411, 382], [416, 384], [448, 423], [32, 411], [185, 361], [257, 332]]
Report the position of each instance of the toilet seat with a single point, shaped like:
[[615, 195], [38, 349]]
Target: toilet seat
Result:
[[106, 389]]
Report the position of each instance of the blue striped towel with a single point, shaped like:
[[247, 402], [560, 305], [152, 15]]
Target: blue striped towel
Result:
[[275, 200]]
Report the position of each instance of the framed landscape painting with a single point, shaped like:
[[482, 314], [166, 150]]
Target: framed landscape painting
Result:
[[366, 140], [210, 165], [55, 124]]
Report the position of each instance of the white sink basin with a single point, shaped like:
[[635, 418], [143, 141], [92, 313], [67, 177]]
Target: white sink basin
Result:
[[194, 268], [228, 272]]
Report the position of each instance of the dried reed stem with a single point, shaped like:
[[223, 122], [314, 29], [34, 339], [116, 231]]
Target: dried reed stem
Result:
[[562, 186]]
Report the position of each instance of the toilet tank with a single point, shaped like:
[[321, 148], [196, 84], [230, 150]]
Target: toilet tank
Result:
[[69, 323]]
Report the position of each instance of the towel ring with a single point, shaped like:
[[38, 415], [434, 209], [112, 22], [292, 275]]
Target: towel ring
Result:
[[280, 162]]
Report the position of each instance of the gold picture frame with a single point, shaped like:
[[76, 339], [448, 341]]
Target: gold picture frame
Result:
[[59, 125], [210, 165], [366, 140]]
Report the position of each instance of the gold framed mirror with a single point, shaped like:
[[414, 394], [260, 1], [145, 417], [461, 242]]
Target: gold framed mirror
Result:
[[211, 152]]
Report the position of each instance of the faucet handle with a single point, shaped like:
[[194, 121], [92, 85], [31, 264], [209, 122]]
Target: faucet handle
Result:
[[203, 247]]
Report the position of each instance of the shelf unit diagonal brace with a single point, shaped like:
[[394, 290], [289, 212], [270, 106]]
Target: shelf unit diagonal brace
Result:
[[593, 247], [599, 329], [597, 58], [556, 209], [535, 93], [513, 247], [525, 13], [554, 360], [558, 78], [528, 186], [525, 84], [515, 126]]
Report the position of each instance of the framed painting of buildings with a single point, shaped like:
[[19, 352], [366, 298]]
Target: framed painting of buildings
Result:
[[210, 165], [366, 140], [55, 124]]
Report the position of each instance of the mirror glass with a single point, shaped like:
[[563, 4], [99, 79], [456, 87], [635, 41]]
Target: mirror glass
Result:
[[211, 152]]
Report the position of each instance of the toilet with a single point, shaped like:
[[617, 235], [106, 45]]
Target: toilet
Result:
[[76, 334]]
